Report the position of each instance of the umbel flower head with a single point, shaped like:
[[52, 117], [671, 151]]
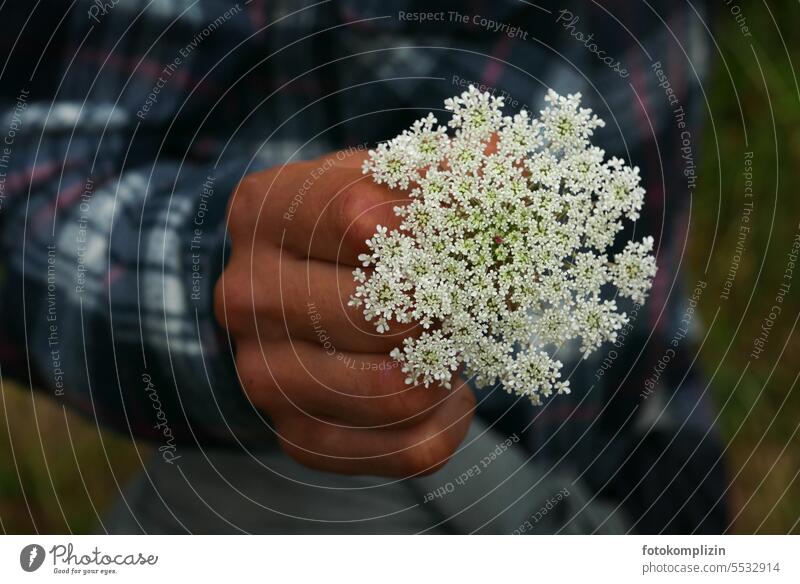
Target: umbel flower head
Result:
[[503, 250]]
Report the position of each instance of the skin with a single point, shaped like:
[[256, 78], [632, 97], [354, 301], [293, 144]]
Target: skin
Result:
[[337, 402]]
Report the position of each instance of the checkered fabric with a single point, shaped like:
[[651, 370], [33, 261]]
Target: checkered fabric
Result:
[[127, 124]]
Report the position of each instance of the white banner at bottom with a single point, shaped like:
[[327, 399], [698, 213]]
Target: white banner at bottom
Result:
[[400, 559]]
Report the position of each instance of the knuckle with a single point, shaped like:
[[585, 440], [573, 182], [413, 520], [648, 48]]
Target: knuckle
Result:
[[241, 302], [240, 205], [272, 308], [257, 384], [398, 402], [428, 454], [250, 372], [297, 453], [469, 401], [253, 187], [412, 401], [230, 302], [349, 219], [233, 302], [296, 437], [361, 208], [290, 442]]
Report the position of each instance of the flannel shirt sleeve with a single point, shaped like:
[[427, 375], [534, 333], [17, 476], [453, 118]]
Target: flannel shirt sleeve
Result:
[[113, 222]]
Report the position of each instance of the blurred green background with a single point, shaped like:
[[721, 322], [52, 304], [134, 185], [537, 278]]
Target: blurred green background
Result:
[[759, 413], [58, 471]]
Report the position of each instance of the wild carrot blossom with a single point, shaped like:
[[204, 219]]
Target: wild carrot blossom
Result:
[[504, 248]]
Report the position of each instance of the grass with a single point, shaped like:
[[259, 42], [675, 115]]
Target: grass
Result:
[[57, 471], [758, 402]]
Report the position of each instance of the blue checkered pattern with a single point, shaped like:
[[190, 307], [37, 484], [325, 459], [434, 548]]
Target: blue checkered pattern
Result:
[[133, 121]]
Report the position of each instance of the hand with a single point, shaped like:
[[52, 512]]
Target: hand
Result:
[[309, 361]]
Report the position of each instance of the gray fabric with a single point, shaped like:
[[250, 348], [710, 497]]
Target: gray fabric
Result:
[[219, 491], [511, 493]]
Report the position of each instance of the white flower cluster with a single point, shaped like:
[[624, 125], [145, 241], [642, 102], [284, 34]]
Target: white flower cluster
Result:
[[502, 253]]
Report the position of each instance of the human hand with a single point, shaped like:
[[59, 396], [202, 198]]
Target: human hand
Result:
[[337, 402]]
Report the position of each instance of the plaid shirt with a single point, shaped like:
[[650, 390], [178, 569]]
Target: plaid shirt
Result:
[[127, 125]]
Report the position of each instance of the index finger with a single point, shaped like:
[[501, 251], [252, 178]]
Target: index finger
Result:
[[324, 209]]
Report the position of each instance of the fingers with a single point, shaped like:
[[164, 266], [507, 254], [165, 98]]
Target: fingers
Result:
[[304, 356], [342, 211], [412, 451], [324, 209], [276, 295], [359, 390], [325, 308]]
